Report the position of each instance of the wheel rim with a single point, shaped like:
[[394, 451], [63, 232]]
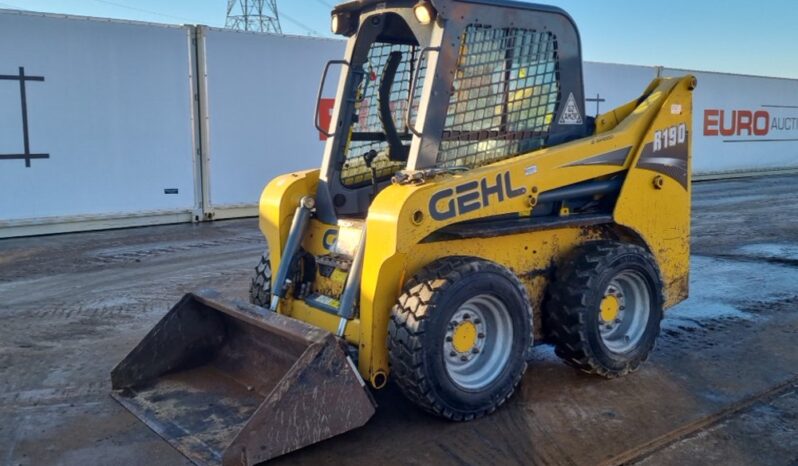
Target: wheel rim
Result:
[[478, 342], [624, 312]]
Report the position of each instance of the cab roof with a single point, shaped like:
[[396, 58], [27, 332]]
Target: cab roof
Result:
[[442, 6]]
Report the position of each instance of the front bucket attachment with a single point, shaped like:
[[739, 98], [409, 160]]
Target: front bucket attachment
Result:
[[231, 383]]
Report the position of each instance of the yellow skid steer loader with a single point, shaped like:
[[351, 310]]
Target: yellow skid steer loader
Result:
[[466, 208]]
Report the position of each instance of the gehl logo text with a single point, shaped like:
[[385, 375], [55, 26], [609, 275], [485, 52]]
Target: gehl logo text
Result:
[[472, 195]]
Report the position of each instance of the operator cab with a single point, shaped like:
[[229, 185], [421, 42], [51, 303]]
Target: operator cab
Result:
[[442, 85]]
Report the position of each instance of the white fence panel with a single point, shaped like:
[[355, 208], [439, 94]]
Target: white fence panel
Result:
[[108, 112], [743, 123], [261, 95], [609, 85], [103, 131]]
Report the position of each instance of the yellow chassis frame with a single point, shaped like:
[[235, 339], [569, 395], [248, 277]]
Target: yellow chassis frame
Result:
[[653, 210]]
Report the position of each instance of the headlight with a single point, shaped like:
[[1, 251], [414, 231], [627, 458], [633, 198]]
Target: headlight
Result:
[[424, 12], [342, 23]]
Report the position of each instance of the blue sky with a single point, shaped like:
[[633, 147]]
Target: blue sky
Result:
[[737, 36]]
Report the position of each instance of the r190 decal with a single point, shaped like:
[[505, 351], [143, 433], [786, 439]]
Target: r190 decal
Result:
[[670, 137]]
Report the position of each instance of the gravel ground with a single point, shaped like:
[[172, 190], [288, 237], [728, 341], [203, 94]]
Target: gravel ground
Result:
[[721, 386]]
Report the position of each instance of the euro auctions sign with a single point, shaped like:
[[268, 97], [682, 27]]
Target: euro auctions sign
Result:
[[771, 123]]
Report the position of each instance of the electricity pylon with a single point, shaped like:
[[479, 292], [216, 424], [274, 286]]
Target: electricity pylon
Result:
[[253, 15]]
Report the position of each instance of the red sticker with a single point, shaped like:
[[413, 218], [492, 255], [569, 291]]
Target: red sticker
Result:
[[325, 115]]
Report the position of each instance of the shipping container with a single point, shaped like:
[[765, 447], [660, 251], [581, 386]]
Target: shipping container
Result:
[[743, 125], [96, 125], [260, 95], [107, 124]]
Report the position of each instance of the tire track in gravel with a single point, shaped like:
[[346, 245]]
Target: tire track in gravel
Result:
[[138, 253], [57, 331], [147, 279]]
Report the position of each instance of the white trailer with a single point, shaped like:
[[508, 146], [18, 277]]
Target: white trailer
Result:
[[107, 124], [743, 125], [96, 125], [259, 95]]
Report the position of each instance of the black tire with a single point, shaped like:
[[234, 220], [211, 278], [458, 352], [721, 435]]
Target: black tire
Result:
[[260, 288], [419, 324], [573, 316]]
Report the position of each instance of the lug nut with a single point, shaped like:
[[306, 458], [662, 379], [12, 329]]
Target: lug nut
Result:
[[475, 350], [452, 354], [477, 321], [481, 335], [466, 316], [617, 321], [464, 358], [448, 339]]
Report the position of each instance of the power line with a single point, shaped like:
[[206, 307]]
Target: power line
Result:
[[13, 7], [282, 14], [261, 16], [300, 24], [141, 10], [253, 15], [327, 4]]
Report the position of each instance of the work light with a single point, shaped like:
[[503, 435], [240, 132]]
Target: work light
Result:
[[336, 23], [424, 12], [342, 23]]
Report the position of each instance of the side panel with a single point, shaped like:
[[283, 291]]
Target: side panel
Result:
[[261, 95], [108, 112], [655, 198]]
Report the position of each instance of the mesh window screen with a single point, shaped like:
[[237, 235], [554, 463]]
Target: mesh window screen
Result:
[[504, 96], [367, 132]]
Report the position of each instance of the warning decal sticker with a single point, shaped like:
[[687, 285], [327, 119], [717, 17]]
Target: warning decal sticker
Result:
[[570, 114]]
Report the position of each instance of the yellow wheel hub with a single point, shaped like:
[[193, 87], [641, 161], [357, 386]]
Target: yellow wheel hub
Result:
[[609, 308], [464, 337]]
